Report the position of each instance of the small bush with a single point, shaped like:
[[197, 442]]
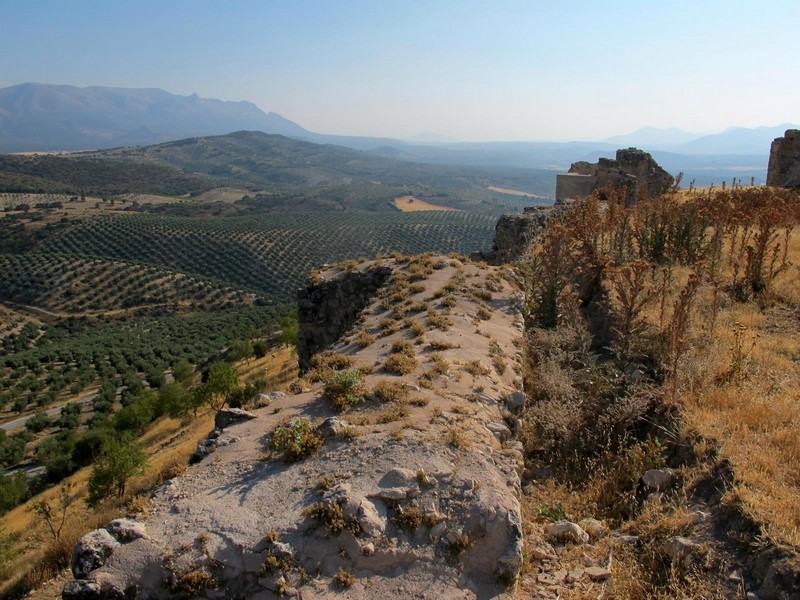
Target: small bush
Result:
[[442, 345], [388, 326], [332, 360], [483, 314], [499, 364], [460, 543], [331, 516], [418, 307], [400, 364], [393, 413], [409, 518], [440, 322], [476, 368], [364, 339], [416, 329], [403, 347], [390, 391], [324, 484], [449, 301], [344, 389], [455, 437], [296, 440], [344, 578]]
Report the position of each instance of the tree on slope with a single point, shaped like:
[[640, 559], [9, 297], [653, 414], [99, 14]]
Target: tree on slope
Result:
[[122, 457]]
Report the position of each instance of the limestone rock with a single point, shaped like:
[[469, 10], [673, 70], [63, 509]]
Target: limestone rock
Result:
[[500, 431], [204, 448], [262, 400], [597, 573], [81, 589], [372, 517], [681, 550], [127, 530], [399, 478], [566, 531], [515, 402], [658, 480], [332, 427], [298, 388], [325, 310], [91, 552], [230, 416], [541, 551], [594, 528], [510, 563]]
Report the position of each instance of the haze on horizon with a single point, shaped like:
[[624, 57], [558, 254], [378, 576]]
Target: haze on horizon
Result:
[[502, 70]]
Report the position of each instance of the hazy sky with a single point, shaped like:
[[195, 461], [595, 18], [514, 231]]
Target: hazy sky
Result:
[[493, 70]]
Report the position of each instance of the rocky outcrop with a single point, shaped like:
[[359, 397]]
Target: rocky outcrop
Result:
[[327, 308], [118, 561], [784, 161], [633, 169], [514, 233], [405, 498]]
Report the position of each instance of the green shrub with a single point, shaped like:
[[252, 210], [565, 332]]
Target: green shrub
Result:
[[344, 389], [296, 440]]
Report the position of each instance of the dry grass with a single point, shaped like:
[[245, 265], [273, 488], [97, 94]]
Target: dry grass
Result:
[[713, 315], [400, 364], [390, 391]]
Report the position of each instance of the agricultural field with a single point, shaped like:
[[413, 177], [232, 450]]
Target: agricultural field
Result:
[[267, 253], [412, 204], [72, 285]]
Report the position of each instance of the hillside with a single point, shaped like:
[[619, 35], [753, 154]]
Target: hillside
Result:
[[69, 175], [271, 160]]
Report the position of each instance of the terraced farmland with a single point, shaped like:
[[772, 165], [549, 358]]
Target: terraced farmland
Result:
[[75, 284], [269, 253]]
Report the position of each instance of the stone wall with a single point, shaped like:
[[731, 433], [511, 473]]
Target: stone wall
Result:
[[632, 169], [574, 185], [784, 161], [327, 309]]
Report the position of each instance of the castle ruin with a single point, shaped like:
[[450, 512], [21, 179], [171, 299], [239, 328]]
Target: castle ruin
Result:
[[633, 169]]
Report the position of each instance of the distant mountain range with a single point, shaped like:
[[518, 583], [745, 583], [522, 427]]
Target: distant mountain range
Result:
[[735, 140], [60, 117]]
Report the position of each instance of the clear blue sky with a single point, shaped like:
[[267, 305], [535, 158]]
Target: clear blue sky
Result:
[[493, 70]]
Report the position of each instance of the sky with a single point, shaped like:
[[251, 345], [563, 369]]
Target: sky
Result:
[[477, 71]]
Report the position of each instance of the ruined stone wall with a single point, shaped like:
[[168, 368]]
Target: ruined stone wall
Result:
[[632, 169], [784, 161], [326, 310], [574, 185]]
